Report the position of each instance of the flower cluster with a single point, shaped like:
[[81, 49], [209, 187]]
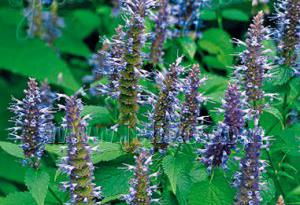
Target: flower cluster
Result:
[[141, 191], [160, 33], [217, 148], [190, 114], [44, 24], [186, 13], [32, 124], [78, 164], [254, 63], [165, 117], [135, 38], [288, 33], [109, 62], [221, 142], [247, 180]]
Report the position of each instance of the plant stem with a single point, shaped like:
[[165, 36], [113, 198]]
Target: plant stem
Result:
[[55, 196]]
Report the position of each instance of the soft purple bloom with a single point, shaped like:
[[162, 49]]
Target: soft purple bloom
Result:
[[33, 126]]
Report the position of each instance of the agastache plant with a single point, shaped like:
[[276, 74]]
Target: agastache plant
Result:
[[224, 139], [190, 114], [187, 13], [135, 38], [78, 164], [52, 24], [287, 33], [141, 190], [255, 64], [160, 33], [110, 62], [248, 179], [34, 18], [165, 118], [31, 124]]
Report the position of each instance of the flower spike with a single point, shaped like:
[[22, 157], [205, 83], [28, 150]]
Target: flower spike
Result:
[[32, 124], [78, 164]]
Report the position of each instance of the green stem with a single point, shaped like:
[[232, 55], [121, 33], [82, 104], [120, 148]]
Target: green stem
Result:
[[55, 196]]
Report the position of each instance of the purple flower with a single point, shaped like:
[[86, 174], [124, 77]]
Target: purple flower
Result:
[[190, 111], [233, 110], [32, 124], [248, 179], [164, 119], [254, 63], [135, 12], [160, 33], [287, 33], [110, 62], [78, 164], [186, 13], [33, 15], [141, 190], [217, 148]]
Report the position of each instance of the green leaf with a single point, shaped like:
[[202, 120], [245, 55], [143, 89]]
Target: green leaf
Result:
[[281, 75], [113, 179], [188, 46], [276, 113], [107, 151], [37, 183], [12, 149], [99, 115], [235, 15], [208, 15], [175, 167], [218, 43], [18, 198], [218, 191], [31, 57], [268, 191], [291, 140]]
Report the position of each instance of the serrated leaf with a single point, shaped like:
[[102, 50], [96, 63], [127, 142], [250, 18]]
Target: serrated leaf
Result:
[[188, 46], [218, 191], [99, 115], [175, 167], [37, 183], [107, 151], [116, 175], [291, 140], [12, 149], [30, 62], [281, 75], [19, 198], [235, 15], [276, 113]]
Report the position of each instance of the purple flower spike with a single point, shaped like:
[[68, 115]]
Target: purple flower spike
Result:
[[248, 179], [78, 164], [160, 34], [234, 114], [217, 149], [32, 124], [141, 191], [287, 33], [190, 114], [254, 63]]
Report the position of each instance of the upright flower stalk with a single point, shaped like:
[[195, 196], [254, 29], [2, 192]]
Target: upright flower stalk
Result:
[[224, 139], [187, 13], [141, 191], [129, 76], [160, 33], [254, 66], [110, 62], [190, 114], [287, 33], [31, 124], [248, 179], [34, 17], [165, 117], [78, 164]]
